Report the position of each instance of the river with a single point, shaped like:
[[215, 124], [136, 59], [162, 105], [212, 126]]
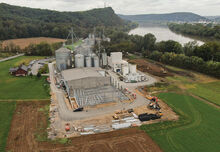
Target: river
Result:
[[163, 33]]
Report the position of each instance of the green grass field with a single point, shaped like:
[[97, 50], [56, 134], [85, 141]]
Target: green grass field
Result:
[[197, 130], [208, 91], [72, 47], [21, 88], [6, 112]]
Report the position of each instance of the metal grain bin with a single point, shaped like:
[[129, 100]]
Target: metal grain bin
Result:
[[63, 58], [79, 61]]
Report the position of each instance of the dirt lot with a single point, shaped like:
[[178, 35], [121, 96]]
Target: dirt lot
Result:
[[22, 43], [152, 68], [28, 119]]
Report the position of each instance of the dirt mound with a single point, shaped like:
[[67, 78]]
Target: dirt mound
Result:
[[28, 118], [152, 68], [22, 43]]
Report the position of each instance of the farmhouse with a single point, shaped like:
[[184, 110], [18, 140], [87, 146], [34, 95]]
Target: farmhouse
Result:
[[19, 71]]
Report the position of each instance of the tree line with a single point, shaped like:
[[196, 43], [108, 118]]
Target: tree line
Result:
[[201, 30], [42, 49], [22, 22], [204, 58]]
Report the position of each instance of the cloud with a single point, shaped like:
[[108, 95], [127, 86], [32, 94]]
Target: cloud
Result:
[[202, 7]]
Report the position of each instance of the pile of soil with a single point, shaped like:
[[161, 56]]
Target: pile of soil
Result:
[[152, 68]]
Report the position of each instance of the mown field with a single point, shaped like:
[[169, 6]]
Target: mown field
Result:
[[21, 88], [196, 131], [208, 91], [6, 113]]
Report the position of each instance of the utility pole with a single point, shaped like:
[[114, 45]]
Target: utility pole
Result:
[[72, 37]]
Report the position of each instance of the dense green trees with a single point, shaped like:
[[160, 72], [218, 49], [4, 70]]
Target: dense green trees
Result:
[[22, 22], [149, 42], [169, 46], [192, 63], [209, 31], [42, 49]]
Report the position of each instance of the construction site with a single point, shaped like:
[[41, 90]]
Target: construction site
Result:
[[94, 93]]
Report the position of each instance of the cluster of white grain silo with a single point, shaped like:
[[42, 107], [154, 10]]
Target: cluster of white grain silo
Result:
[[128, 71], [82, 61]]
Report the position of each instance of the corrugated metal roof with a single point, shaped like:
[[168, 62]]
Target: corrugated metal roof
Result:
[[63, 49], [79, 73]]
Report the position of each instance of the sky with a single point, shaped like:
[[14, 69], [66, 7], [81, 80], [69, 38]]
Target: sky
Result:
[[128, 7]]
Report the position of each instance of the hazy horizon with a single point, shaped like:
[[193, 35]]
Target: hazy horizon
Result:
[[137, 7]]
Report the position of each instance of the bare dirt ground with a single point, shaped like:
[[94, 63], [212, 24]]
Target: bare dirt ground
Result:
[[28, 119], [152, 68], [22, 43]]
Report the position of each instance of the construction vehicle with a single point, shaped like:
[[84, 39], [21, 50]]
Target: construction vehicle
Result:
[[78, 109], [153, 103], [134, 95], [121, 114], [67, 127]]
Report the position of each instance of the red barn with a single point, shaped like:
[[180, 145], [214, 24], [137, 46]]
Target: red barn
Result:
[[19, 71]]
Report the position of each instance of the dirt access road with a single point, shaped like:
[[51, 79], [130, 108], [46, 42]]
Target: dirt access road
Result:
[[28, 119], [11, 57]]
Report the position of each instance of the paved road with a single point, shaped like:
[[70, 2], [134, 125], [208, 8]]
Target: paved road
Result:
[[67, 115], [12, 57]]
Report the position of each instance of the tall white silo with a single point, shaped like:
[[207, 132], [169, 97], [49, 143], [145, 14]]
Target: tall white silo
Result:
[[132, 68], [88, 61], [79, 61], [125, 70], [96, 61], [104, 59]]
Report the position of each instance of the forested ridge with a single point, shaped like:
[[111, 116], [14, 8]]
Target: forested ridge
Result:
[[179, 16], [23, 22], [201, 30]]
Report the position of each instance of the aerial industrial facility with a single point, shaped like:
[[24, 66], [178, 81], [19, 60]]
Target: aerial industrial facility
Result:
[[87, 81]]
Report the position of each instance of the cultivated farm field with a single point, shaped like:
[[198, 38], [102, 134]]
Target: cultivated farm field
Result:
[[197, 130], [29, 121], [21, 88], [6, 113], [22, 43]]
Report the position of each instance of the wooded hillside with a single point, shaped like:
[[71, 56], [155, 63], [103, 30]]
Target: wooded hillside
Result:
[[23, 22]]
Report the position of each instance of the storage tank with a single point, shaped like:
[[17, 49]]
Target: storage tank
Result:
[[79, 61], [63, 59], [132, 68], [104, 59], [125, 70], [96, 61], [88, 61], [116, 57]]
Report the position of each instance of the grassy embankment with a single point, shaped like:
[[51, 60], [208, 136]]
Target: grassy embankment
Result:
[[197, 130], [21, 88], [6, 113]]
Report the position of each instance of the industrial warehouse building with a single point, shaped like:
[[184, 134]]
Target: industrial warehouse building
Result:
[[83, 78], [90, 86]]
